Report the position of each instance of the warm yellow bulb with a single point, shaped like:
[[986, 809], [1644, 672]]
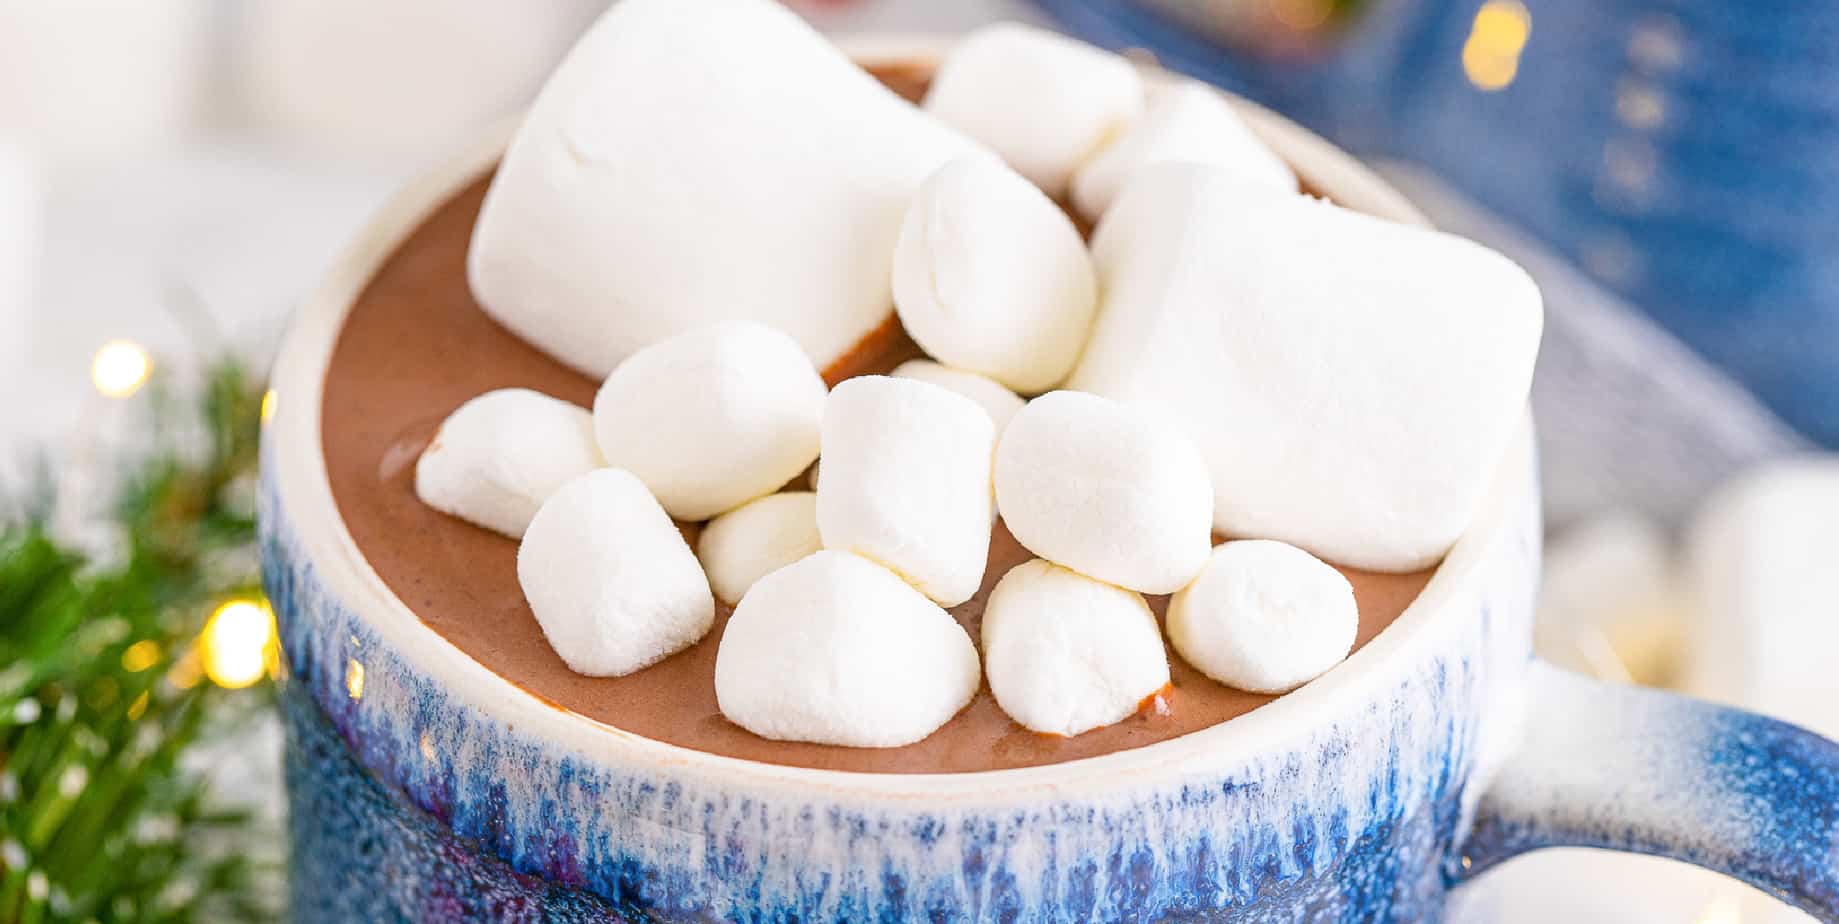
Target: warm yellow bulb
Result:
[[354, 678], [120, 368], [268, 405], [235, 643], [140, 656], [1502, 25], [1491, 56]]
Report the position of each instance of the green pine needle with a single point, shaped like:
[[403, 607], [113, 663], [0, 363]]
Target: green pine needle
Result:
[[101, 697]]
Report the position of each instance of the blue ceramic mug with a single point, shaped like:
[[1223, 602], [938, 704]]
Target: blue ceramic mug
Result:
[[423, 787]]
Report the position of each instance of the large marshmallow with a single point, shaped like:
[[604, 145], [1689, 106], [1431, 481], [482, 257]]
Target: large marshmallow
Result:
[[907, 482], [699, 160], [836, 649], [1001, 403], [1352, 383], [1105, 490], [498, 457], [712, 418], [610, 579], [1043, 101], [1264, 616], [1764, 565], [1066, 654], [990, 276], [754, 540], [1185, 122]]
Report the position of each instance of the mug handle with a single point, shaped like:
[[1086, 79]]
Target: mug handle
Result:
[[1640, 770]]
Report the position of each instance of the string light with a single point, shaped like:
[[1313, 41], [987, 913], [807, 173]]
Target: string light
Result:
[[354, 678], [235, 643], [140, 656], [268, 405], [1491, 56], [120, 368], [1639, 106]]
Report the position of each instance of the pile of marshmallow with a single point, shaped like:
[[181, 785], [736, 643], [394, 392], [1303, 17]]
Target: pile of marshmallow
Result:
[[1229, 356]]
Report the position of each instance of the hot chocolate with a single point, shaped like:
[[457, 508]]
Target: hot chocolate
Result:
[[416, 345]]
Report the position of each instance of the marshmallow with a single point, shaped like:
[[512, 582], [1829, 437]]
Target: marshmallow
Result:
[[1764, 565], [660, 183], [1352, 383], [712, 418], [610, 579], [991, 276], [1066, 654], [757, 538], [1185, 122], [999, 402], [907, 482], [498, 457], [1100, 488], [836, 649], [1264, 616], [1043, 101]]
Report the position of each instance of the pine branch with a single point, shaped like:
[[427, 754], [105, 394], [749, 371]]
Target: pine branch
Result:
[[100, 692]]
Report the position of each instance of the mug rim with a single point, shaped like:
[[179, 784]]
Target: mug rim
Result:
[[295, 466]]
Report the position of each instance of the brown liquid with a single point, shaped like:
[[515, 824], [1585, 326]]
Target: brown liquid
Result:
[[416, 346]]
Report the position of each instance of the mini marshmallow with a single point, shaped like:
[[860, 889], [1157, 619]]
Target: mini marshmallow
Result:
[[1264, 617], [712, 418], [992, 277], [1185, 121], [836, 649], [498, 457], [1114, 494], [907, 482], [662, 182], [1066, 654], [1352, 383], [1000, 402], [757, 538], [610, 579], [1043, 101]]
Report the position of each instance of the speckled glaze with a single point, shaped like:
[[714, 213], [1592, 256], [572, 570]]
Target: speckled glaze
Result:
[[425, 788]]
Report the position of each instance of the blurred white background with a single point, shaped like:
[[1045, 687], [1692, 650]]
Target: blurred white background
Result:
[[175, 175]]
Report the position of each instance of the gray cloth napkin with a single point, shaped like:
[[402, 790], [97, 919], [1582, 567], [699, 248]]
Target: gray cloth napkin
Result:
[[1628, 416]]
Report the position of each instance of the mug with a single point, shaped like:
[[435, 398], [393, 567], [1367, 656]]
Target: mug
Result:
[[423, 787]]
